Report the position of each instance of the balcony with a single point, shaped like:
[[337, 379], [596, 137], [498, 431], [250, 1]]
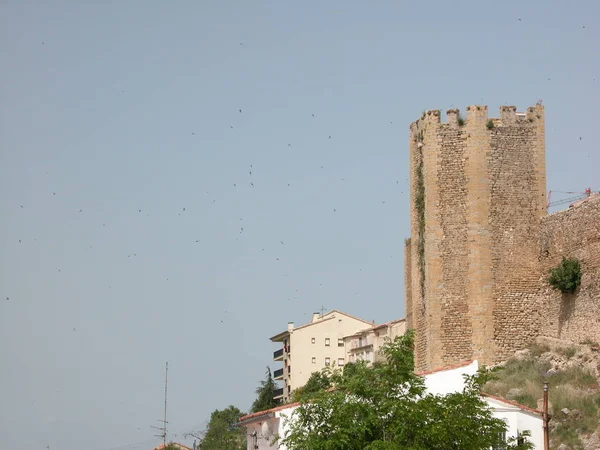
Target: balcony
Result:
[[361, 343], [278, 394], [278, 374], [278, 355]]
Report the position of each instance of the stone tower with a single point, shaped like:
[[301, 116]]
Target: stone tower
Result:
[[477, 194]]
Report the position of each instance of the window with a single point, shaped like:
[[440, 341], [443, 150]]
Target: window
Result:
[[340, 361], [314, 360], [340, 342], [312, 340], [328, 361], [326, 342], [501, 441]]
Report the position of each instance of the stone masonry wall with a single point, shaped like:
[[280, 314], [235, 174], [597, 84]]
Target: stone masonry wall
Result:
[[408, 306], [517, 202], [477, 195], [572, 233]]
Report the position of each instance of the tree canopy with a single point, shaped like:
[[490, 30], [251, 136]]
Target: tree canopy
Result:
[[223, 432], [317, 382], [386, 407], [265, 393]]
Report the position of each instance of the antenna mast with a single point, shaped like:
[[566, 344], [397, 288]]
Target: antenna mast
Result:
[[165, 415], [163, 429]]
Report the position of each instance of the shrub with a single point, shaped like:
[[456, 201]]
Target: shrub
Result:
[[566, 277], [461, 121], [569, 352], [490, 124]]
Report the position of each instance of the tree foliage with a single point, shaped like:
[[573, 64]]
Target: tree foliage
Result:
[[317, 382], [385, 407], [265, 393], [566, 277], [223, 432]]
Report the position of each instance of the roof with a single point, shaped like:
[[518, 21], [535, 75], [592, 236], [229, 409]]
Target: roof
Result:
[[387, 324], [259, 414], [278, 336], [376, 327], [184, 447], [512, 403]]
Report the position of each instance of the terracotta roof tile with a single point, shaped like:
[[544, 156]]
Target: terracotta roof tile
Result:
[[184, 447], [510, 402], [268, 411]]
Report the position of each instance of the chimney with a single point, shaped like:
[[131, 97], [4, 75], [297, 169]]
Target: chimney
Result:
[[316, 316], [290, 326]]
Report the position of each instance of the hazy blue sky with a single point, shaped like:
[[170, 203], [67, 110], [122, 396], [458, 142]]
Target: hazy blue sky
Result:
[[125, 183]]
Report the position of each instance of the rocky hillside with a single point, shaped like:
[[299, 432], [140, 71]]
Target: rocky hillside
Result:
[[573, 374]]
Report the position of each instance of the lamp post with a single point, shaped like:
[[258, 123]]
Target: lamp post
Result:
[[546, 418]]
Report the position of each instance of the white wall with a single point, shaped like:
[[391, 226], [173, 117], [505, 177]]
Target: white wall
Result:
[[277, 424], [518, 421], [449, 381]]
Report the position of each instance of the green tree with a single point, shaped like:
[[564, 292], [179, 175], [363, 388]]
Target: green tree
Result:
[[317, 382], [385, 407], [566, 277], [265, 393], [223, 432]]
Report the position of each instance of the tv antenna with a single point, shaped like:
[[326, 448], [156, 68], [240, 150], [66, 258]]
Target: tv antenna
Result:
[[163, 429], [323, 309]]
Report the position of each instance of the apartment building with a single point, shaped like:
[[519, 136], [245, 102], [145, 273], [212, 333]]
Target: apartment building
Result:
[[364, 345], [311, 347]]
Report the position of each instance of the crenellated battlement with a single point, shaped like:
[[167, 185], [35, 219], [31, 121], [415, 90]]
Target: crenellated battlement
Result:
[[478, 114]]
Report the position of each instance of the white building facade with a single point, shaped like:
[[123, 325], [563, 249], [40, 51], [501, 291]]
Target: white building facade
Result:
[[365, 345], [310, 348]]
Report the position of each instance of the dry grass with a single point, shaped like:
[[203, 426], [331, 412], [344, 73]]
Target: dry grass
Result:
[[573, 388]]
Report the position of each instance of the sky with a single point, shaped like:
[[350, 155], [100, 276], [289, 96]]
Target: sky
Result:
[[178, 180]]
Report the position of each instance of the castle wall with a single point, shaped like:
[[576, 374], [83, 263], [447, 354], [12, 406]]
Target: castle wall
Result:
[[477, 194], [408, 306], [572, 233], [517, 202]]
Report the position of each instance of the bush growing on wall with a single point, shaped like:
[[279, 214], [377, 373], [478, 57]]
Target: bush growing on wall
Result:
[[566, 277]]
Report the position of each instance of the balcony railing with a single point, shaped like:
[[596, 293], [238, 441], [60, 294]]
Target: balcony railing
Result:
[[278, 355], [278, 374], [278, 393], [361, 343]]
